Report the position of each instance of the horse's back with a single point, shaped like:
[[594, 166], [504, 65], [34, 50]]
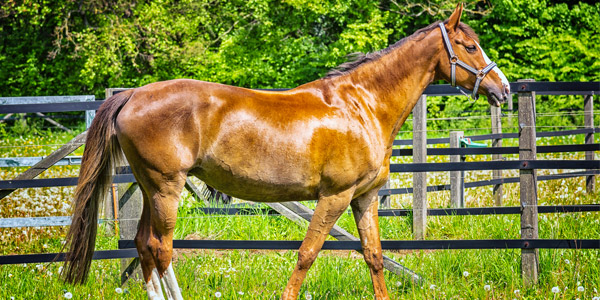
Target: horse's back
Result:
[[256, 145]]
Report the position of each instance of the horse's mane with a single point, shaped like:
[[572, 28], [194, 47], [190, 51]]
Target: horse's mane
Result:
[[356, 59]]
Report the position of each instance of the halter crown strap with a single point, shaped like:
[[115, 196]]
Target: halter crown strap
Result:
[[455, 61]]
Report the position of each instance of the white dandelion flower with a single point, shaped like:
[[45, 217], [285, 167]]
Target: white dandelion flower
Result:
[[466, 274], [555, 289], [118, 291], [240, 293], [517, 292], [487, 287], [432, 287], [218, 294], [580, 289], [596, 298], [68, 295], [567, 261]]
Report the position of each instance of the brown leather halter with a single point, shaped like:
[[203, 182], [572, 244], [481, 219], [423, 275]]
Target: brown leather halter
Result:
[[455, 61]]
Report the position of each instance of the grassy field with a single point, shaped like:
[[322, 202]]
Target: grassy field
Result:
[[208, 274]]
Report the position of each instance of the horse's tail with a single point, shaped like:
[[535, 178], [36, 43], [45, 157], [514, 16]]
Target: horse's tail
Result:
[[102, 153]]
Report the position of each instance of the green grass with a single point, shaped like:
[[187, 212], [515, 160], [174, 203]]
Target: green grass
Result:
[[240, 274]]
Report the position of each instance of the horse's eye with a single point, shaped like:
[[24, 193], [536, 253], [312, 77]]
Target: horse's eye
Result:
[[471, 48]]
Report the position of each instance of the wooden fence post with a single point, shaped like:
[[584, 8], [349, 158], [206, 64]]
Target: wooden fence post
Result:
[[497, 142], [457, 192], [420, 178], [130, 211], [588, 107], [528, 186], [385, 200]]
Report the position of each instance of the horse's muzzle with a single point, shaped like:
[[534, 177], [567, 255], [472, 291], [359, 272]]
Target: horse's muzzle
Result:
[[496, 98]]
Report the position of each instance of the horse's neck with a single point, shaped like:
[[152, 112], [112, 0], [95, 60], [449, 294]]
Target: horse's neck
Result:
[[397, 80]]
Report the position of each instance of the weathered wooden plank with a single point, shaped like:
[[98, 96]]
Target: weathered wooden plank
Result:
[[45, 99], [457, 187], [528, 187], [420, 179], [34, 222], [89, 114], [496, 113], [385, 200], [49, 161], [30, 161], [129, 212], [588, 107]]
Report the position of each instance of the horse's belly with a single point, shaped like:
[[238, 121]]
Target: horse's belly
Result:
[[271, 180]]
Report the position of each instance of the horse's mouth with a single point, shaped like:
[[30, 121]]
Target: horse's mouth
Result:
[[493, 100]]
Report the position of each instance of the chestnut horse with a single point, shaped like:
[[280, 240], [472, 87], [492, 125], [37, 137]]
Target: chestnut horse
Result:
[[330, 139]]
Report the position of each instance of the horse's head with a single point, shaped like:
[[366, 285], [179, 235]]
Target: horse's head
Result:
[[463, 62]]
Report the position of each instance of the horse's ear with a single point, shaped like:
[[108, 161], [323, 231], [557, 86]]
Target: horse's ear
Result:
[[454, 19]]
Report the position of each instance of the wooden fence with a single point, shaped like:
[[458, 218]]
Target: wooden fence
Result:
[[129, 205]]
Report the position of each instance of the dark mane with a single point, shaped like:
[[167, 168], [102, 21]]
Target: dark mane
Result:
[[356, 59]]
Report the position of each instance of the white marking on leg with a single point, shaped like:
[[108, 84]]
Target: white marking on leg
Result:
[[155, 280], [495, 69], [171, 283], [167, 291], [152, 292]]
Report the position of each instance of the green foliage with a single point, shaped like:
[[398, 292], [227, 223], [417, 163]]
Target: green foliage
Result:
[[81, 47]]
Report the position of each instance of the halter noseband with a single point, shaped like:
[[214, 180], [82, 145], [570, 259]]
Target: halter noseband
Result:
[[454, 61]]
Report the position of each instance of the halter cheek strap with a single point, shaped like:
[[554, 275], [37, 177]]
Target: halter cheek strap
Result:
[[455, 61]]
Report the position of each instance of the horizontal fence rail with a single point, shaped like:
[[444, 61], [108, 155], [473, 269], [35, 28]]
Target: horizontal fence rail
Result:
[[495, 165], [498, 150], [511, 135], [249, 210], [394, 168], [76, 160], [128, 251], [446, 187]]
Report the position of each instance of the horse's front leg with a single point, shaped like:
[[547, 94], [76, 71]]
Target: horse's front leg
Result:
[[328, 210], [365, 213]]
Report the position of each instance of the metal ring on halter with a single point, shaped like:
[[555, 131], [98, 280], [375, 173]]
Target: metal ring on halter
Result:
[[480, 74]]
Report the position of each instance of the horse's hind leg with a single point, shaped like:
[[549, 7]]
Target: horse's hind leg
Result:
[[151, 277], [328, 210], [163, 196], [364, 209]]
